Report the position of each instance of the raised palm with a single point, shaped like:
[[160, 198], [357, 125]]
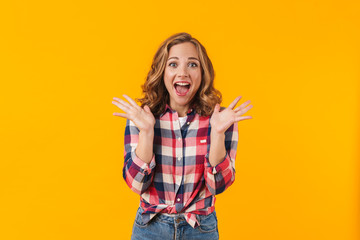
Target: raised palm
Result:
[[221, 120], [141, 117]]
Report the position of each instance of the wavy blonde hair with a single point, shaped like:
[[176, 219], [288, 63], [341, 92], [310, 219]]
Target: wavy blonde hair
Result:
[[155, 93]]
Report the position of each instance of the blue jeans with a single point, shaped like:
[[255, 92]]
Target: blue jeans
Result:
[[164, 227]]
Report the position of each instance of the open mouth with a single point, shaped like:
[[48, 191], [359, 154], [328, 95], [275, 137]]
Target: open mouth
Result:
[[182, 88]]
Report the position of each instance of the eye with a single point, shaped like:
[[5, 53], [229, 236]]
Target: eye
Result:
[[195, 65], [192, 64]]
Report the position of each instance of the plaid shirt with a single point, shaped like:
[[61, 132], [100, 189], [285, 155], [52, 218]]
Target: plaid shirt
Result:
[[179, 177]]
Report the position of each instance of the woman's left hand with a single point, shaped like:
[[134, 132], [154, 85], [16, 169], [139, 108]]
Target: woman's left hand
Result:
[[221, 121]]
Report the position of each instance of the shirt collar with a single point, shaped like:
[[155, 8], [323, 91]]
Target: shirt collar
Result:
[[168, 108]]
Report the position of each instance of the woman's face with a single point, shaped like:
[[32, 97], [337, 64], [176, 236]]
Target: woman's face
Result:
[[182, 76]]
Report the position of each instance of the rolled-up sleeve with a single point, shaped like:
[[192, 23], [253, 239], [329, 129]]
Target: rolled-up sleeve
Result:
[[221, 176], [137, 174]]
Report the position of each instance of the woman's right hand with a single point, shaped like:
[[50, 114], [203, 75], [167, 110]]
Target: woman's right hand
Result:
[[141, 117]]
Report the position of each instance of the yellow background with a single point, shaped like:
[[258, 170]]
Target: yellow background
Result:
[[62, 62]]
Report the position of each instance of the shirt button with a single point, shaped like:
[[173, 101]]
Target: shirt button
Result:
[[188, 123], [179, 158], [178, 199]]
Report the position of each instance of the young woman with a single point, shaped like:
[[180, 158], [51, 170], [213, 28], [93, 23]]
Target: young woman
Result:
[[180, 146]]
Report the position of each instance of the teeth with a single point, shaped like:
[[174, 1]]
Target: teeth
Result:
[[183, 84]]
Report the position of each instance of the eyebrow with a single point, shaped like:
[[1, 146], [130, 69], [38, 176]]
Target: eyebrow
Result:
[[188, 58]]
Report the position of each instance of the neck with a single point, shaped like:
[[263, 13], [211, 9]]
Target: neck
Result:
[[181, 110]]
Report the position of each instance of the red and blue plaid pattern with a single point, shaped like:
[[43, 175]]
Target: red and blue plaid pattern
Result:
[[179, 178]]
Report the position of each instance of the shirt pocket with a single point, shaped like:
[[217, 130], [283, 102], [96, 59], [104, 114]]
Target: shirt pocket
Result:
[[202, 146]]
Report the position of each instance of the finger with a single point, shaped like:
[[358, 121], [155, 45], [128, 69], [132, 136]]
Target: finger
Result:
[[147, 109], [124, 115], [217, 108], [242, 106], [242, 118], [247, 108], [121, 106], [242, 111], [123, 102], [117, 99], [233, 104], [131, 101]]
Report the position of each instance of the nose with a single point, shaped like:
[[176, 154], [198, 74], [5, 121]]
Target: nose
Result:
[[183, 71]]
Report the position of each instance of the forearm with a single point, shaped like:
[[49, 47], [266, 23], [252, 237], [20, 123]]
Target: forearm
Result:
[[144, 149], [220, 178], [219, 161], [138, 171], [217, 151]]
